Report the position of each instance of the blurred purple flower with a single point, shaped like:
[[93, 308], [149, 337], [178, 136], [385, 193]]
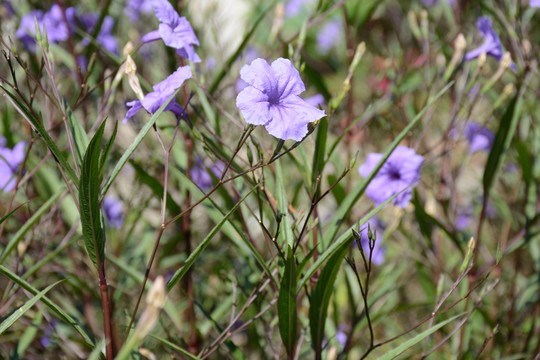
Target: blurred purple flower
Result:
[[57, 29], [463, 218], [379, 250], [105, 37], [491, 45], [114, 211], [272, 99], [329, 36], [201, 176], [535, 3], [432, 2], [162, 92], [341, 337], [10, 159], [399, 171], [294, 7], [135, 7], [479, 137], [316, 100], [175, 31]]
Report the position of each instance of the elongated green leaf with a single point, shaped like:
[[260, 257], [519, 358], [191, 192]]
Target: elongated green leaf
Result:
[[355, 194], [502, 141], [77, 132], [415, 340], [29, 224], [38, 127], [195, 254], [105, 155], [135, 144], [92, 227], [285, 229], [27, 337], [175, 347], [320, 298], [287, 305], [55, 308], [320, 148], [11, 319]]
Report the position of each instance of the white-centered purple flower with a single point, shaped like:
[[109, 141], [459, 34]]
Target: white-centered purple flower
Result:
[[135, 7], [479, 137], [329, 36], [114, 211], [162, 92], [10, 159], [272, 99], [401, 169], [492, 44], [175, 31]]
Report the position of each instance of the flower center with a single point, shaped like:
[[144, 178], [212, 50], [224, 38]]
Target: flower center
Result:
[[394, 174]]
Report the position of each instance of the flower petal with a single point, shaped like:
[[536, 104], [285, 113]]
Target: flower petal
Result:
[[151, 36], [288, 78], [254, 106], [165, 12], [135, 106]]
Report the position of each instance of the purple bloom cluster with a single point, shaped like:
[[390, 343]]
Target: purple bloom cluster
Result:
[[272, 99], [114, 211], [479, 137], [175, 31], [162, 92], [401, 169], [59, 27], [492, 44], [10, 159]]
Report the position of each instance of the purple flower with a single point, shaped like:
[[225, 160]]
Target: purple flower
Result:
[[329, 36], [316, 100], [57, 29], [135, 7], [464, 218], [401, 169], [272, 99], [105, 37], [294, 7], [341, 337], [535, 3], [379, 250], [432, 2], [175, 31], [491, 45], [114, 211], [201, 176], [162, 92], [479, 137], [10, 159]]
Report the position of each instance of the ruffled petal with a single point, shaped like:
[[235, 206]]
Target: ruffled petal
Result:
[[134, 107], [288, 78], [371, 161], [187, 52], [254, 106], [165, 12], [151, 36], [260, 75], [290, 118]]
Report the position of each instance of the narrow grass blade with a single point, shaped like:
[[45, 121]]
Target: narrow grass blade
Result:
[[195, 254], [77, 131], [287, 305], [11, 319], [10, 213], [38, 127], [392, 354], [320, 297], [28, 225], [285, 229]]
